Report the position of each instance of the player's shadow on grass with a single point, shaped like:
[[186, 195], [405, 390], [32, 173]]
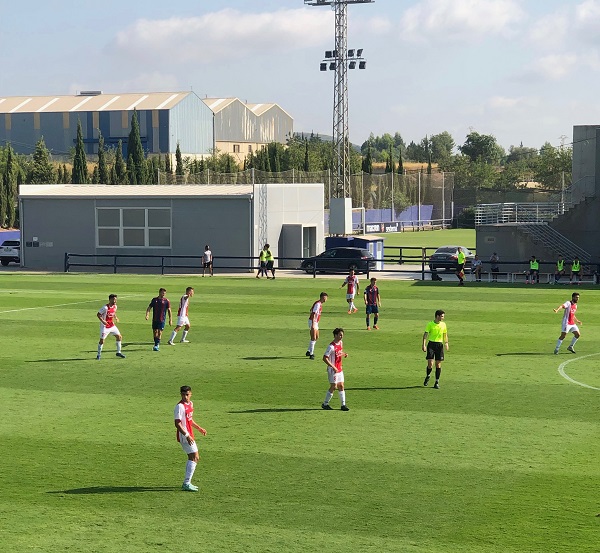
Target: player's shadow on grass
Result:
[[270, 358], [56, 360], [275, 410], [377, 388], [117, 489], [525, 353]]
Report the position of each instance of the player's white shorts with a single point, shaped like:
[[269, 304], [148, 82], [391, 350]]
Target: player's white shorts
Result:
[[570, 328], [187, 447], [312, 324], [104, 332], [335, 377], [350, 296], [183, 321]]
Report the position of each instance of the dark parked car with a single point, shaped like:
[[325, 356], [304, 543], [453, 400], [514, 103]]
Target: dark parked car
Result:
[[10, 250], [340, 260], [445, 258]]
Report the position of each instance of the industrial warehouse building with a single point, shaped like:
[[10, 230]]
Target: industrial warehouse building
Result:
[[146, 225], [165, 119]]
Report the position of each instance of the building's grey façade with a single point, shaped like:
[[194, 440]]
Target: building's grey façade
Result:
[[150, 221]]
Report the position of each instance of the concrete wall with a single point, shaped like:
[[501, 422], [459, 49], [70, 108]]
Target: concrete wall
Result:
[[581, 225], [223, 223]]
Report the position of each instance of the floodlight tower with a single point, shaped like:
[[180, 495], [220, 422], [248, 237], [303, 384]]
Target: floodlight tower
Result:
[[340, 60]]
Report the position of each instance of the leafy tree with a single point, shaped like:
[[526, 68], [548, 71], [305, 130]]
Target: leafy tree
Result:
[[367, 164], [95, 175], [306, 166], [103, 174], [79, 174], [482, 147], [400, 166], [441, 146], [416, 152], [389, 162], [41, 170], [136, 161], [551, 165], [65, 174], [518, 153]]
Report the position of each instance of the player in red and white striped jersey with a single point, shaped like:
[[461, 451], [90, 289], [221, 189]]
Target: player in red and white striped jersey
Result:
[[313, 323], [335, 373], [351, 283], [108, 316], [183, 320], [569, 323]]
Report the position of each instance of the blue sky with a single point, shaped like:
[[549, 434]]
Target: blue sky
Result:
[[525, 71]]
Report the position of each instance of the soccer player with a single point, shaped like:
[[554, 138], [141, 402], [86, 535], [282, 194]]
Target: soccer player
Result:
[[160, 306], [372, 303], [313, 323], [569, 323], [575, 271], [270, 261], [560, 269], [351, 283], [207, 260], [335, 373], [533, 275], [185, 424], [108, 316], [183, 320], [434, 339], [262, 256]]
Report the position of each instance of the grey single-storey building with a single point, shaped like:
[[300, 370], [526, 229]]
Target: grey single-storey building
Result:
[[146, 225]]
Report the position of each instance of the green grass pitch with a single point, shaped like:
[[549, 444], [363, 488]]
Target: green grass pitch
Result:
[[502, 459]]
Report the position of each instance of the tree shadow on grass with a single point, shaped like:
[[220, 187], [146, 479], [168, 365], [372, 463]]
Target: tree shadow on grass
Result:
[[275, 410], [116, 489]]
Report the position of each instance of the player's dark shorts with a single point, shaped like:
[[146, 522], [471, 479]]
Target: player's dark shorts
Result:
[[435, 350], [495, 269], [372, 309], [270, 265], [158, 325], [263, 264], [460, 267], [207, 264]]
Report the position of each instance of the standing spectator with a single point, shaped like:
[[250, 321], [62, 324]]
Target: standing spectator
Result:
[[434, 339], [108, 317], [560, 269], [575, 277], [207, 260], [313, 323], [262, 269], [372, 303], [460, 267], [185, 424], [160, 306], [569, 323], [494, 268], [533, 274], [476, 267], [183, 320], [335, 373], [270, 261], [352, 286]]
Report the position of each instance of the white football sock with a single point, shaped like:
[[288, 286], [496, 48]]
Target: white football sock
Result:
[[342, 396], [328, 397], [190, 467]]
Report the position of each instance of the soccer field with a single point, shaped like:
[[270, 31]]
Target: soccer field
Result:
[[502, 459]]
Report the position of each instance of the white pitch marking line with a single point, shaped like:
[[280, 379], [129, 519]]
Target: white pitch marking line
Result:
[[561, 370], [58, 305]]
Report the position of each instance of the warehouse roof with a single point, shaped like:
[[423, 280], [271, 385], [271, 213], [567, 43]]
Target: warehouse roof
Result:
[[133, 191], [218, 104], [93, 101]]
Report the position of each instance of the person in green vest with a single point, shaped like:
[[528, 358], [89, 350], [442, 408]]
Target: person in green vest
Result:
[[560, 269], [575, 271], [460, 267], [270, 261], [434, 340], [533, 275], [262, 269]]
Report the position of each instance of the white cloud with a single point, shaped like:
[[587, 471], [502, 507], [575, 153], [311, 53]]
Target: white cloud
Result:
[[587, 20], [224, 35], [508, 103], [464, 20], [551, 30], [555, 66]]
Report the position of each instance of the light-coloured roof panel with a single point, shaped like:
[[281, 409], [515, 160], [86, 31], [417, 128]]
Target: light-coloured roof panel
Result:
[[100, 102], [132, 191], [217, 104]]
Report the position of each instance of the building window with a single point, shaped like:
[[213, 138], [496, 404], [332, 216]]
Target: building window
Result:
[[123, 227], [250, 148], [236, 148]]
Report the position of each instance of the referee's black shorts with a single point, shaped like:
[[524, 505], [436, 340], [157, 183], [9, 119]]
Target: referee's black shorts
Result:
[[435, 350]]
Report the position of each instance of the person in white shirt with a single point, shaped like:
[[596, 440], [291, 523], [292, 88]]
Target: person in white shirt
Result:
[[207, 260]]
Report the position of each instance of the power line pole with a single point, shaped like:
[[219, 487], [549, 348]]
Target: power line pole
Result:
[[340, 60]]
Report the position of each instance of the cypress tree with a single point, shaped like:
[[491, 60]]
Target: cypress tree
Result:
[[41, 170], [120, 167], [178, 162], [7, 180], [103, 176], [136, 161], [306, 158], [80, 172]]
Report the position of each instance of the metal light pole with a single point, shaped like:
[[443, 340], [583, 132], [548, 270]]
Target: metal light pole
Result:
[[340, 60]]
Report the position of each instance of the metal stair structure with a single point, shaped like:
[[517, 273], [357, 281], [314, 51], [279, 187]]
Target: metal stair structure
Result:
[[543, 234]]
